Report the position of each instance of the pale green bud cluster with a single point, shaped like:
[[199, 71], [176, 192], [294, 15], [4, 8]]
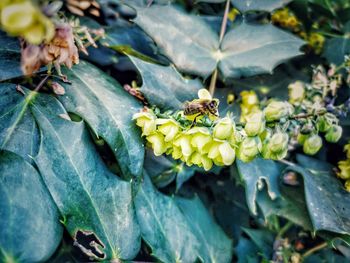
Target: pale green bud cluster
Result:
[[22, 18]]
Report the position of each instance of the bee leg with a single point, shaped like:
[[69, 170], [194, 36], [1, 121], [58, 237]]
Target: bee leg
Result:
[[194, 121]]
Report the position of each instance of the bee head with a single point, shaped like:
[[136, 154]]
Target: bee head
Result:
[[214, 103]]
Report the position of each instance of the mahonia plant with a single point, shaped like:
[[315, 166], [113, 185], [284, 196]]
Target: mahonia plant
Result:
[[264, 132]]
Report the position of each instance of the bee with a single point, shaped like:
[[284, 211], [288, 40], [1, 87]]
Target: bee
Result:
[[201, 107]]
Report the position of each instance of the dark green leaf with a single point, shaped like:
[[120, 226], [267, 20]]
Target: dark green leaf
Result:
[[215, 245], [30, 230], [184, 174], [327, 201], [164, 86], [18, 131], [291, 205], [191, 48], [163, 226], [263, 239], [10, 57], [336, 49], [246, 251], [254, 173], [95, 204], [249, 50], [108, 109]]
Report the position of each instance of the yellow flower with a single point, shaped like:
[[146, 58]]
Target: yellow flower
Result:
[[344, 167], [224, 128], [296, 92], [158, 144], [15, 18], [200, 137], [221, 152], [23, 19], [249, 148], [249, 98], [183, 141], [147, 121], [255, 123], [277, 110], [168, 127]]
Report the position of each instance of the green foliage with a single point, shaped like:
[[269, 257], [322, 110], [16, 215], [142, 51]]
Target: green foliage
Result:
[[99, 100], [73, 160], [29, 217]]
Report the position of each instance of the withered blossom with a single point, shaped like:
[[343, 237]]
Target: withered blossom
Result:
[[61, 50]]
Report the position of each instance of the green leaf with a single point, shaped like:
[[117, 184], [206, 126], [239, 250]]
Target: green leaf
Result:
[[10, 57], [108, 109], [245, 51], [263, 239], [186, 39], [246, 251], [163, 226], [18, 130], [254, 173], [291, 206], [327, 201], [336, 49], [249, 50], [184, 174], [29, 227], [95, 204], [260, 5], [164, 86], [215, 245]]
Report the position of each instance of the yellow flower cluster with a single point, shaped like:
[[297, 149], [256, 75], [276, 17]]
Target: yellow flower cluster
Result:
[[195, 146], [285, 18], [316, 41], [220, 143], [22, 18], [344, 168]]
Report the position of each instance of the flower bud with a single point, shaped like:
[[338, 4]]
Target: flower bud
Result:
[[344, 169], [249, 148], [147, 121], [224, 128], [301, 138], [296, 92], [323, 124], [168, 127], [184, 142], [255, 123], [158, 144], [312, 144], [200, 138], [227, 153], [334, 134], [279, 142], [277, 110], [16, 18], [249, 98]]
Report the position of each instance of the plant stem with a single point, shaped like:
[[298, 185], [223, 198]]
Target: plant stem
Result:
[[284, 229], [42, 82], [314, 249], [222, 33]]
